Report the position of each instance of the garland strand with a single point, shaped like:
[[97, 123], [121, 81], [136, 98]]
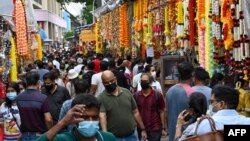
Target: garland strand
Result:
[[13, 69]]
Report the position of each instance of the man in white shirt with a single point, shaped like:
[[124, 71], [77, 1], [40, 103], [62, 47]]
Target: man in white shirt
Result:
[[223, 104], [96, 81]]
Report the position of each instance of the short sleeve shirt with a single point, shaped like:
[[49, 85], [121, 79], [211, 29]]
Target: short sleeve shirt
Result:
[[119, 110], [32, 106]]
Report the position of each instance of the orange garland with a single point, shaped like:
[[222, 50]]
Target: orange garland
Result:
[[124, 34], [21, 29]]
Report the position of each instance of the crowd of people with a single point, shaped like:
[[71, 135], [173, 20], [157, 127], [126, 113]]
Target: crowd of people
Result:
[[69, 96]]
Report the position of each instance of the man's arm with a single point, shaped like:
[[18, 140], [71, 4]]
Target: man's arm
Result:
[[103, 121], [138, 119], [93, 89], [72, 117], [48, 120]]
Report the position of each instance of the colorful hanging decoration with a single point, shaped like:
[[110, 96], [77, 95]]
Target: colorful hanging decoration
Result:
[[21, 29], [13, 58], [191, 13], [39, 48], [124, 32]]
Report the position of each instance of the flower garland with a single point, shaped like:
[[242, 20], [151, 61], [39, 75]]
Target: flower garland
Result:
[[124, 34], [226, 19], [191, 12], [180, 19], [21, 29], [13, 57], [208, 40], [167, 30], [39, 48], [201, 31]]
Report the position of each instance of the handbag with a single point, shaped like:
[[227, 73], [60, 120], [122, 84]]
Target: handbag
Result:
[[214, 135]]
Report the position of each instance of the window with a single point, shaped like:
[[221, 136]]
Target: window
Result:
[[38, 1]]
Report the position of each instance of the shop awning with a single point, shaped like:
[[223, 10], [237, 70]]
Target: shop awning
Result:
[[43, 34]]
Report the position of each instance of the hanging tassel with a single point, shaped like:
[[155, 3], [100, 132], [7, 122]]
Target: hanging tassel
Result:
[[13, 70]]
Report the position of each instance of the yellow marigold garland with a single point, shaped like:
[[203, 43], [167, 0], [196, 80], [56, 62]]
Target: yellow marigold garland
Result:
[[39, 48], [13, 69]]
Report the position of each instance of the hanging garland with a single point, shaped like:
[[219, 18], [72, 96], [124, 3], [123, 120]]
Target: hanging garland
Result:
[[124, 34], [21, 29], [191, 13], [13, 58], [39, 48]]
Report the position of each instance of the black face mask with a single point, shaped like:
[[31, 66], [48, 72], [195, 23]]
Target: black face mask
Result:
[[111, 87], [145, 85], [49, 87]]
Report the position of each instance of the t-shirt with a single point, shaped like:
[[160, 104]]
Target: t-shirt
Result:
[[155, 85], [97, 80], [119, 111], [11, 130], [70, 136], [41, 73], [204, 90], [176, 102], [97, 63], [32, 106]]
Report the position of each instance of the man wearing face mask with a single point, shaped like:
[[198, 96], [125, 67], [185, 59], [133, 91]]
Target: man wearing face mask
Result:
[[151, 106], [85, 114], [119, 113], [223, 104], [56, 95], [150, 69]]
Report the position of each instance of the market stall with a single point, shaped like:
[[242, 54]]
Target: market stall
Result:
[[213, 32], [20, 42]]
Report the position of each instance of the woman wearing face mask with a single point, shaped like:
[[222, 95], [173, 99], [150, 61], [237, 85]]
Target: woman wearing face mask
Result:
[[22, 86], [187, 118], [9, 114]]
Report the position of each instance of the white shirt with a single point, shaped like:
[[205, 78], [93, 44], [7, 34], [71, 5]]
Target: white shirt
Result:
[[155, 85], [221, 118], [78, 68], [56, 63], [97, 80], [59, 81], [136, 80], [10, 125], [71, 89]]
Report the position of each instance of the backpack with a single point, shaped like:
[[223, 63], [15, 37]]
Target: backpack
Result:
[[87, 76], [157, 98]]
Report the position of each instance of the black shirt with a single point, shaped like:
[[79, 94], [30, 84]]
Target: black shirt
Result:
[[121, 79], [56, 100]]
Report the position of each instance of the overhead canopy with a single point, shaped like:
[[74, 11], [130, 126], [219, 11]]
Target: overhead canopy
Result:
[[109, 6]]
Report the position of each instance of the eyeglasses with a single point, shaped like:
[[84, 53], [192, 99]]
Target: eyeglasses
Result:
[[212, 101]]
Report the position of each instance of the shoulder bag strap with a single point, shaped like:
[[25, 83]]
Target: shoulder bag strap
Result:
[[210, 120], [11, 111]]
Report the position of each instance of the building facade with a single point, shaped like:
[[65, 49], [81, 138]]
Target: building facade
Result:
[[49, 16]]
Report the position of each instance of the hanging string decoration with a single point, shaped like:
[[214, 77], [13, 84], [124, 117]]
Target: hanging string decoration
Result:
[[201, 32], [39, 48], [13, 58], [167, 30], [191, 12], [21, 29], [180, 19], [124, 32]]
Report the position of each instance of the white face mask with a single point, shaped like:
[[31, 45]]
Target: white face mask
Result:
[[153, 74], [210, 109]]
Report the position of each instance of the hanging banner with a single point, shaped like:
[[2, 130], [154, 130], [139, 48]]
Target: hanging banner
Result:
[[87, 35]]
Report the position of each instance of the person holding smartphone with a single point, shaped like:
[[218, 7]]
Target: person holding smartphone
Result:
[[187, 118]]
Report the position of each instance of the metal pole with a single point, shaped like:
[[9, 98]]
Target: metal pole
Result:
[[93, 10]]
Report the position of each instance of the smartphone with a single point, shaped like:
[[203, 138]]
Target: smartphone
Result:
[[189, 115]]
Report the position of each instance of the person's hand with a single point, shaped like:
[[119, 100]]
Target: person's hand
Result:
[[164, 133], [74, 115], [144, 135], [182, 115]]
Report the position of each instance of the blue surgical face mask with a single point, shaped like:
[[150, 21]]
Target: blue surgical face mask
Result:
[[88, 128], [11, 95]]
